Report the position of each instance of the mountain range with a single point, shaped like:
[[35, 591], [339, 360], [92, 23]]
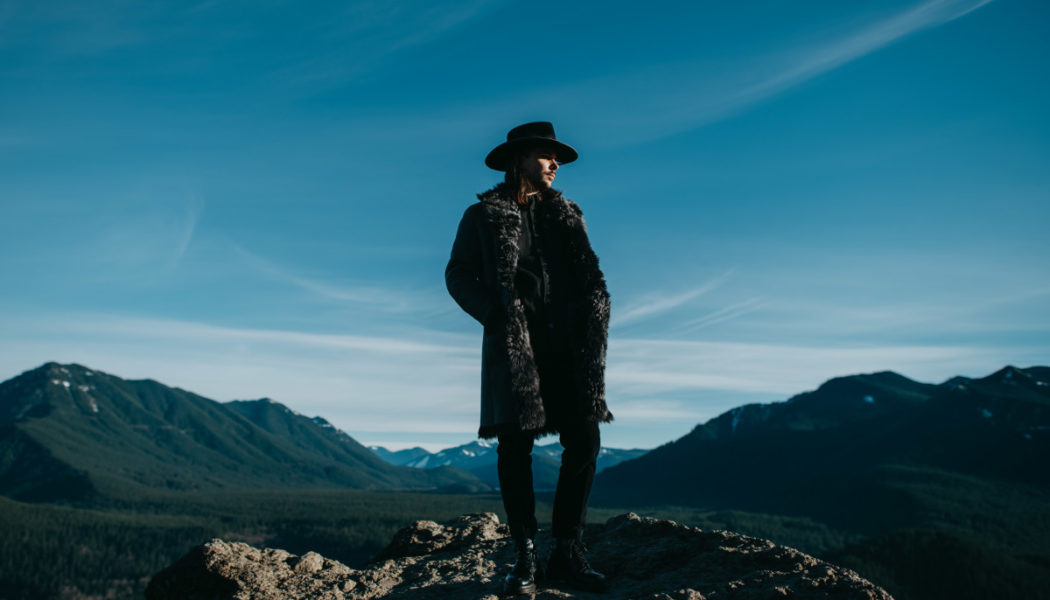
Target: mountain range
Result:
[[934, 490], [479, 458], [68, 432], [843, 451]]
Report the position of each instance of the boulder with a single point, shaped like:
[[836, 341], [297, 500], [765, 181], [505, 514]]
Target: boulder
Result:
[[465, 559]]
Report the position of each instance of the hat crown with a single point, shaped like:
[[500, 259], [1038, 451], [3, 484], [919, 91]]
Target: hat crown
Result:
[[541, 129]]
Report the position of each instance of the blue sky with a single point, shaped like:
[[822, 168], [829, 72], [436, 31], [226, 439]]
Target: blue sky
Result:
[[250, 199]]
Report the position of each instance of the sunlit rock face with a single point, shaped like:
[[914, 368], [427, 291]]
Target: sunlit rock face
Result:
[[465, 559]]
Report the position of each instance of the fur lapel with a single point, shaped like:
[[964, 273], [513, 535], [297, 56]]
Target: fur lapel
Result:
[[505, 219]]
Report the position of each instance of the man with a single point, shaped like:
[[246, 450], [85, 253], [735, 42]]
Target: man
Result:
[[522, 265]]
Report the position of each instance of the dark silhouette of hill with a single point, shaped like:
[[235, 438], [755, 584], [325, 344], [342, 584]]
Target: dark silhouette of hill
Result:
[[931, 477], [838, 453], [68, 432]]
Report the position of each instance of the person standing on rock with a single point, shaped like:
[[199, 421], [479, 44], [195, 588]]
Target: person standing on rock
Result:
[[523, 267]]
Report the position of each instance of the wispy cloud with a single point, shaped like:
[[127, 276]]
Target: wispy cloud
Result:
[[195, 331], [365, 34], [810, 63], [655, 410], [383, 299], [674, 97], [656, 304], [979, 312], [136, 239], [325, 46], [194, 206], [81, 29], [683, 98], [724, 314], [649, 366], [426, 381]]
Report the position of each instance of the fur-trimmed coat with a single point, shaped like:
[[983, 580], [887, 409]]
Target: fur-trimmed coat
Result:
[[481, 278]]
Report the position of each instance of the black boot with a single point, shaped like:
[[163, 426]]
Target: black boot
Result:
[[522, 576], [568, 565]]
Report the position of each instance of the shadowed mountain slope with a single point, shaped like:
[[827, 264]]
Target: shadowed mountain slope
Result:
[[68, 432], [845, 453], [944, 488]]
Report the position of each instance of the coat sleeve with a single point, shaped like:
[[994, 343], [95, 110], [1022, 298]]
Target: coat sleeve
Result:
[[463, 272]]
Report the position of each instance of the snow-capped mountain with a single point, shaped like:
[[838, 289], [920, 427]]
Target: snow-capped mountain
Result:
[[479, 457]]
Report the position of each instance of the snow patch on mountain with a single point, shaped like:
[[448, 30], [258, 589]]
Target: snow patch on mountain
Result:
[[323, 422], [481, 454]]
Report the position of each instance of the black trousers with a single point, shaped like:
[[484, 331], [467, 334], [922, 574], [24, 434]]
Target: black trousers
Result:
[[579, 438], [581, 441]]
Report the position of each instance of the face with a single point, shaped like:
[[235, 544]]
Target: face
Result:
[[540, 165]]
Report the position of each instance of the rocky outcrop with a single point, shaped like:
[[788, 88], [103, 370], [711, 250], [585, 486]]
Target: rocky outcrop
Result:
[[465, 558]]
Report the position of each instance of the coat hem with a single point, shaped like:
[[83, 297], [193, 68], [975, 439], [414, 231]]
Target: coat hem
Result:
[[488, 432]]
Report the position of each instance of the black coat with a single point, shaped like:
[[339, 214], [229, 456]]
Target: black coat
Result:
[[480, 276]]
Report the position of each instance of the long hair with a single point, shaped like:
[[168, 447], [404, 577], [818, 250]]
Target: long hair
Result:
[[519, 186]]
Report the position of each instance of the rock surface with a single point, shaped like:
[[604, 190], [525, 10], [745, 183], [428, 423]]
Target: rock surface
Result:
[[465, 559]]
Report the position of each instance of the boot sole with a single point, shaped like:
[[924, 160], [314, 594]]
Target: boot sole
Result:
[[525, 590], [579, 587], [559, 580]]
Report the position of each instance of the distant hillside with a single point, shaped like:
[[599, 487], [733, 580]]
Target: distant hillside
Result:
[[401, 458], [934, 478], [68, 432], [833, 450], [479, 458]]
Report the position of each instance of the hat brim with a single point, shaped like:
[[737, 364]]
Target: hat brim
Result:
[[500, 157]]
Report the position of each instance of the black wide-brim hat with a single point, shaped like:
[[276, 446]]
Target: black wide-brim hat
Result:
[[539, 134]]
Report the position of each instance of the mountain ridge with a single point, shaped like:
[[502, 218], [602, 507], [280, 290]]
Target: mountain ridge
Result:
[[478, 457], [831, 444], [117, 434]]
